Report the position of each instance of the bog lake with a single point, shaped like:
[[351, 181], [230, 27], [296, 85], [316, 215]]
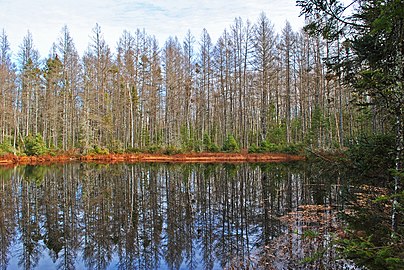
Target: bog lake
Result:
[[172, 216]]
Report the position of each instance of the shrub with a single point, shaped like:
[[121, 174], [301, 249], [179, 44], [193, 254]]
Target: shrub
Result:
[[266, 146], [206, 141], [6, 147], [154, 149], [133, 150], [208, 145], [99, 150], [196, 146], [116, 147], [172, 150], [230, 144], [213, 148], [292, 149], [35, 146], [373, 155], [253, 149], [368, 239]]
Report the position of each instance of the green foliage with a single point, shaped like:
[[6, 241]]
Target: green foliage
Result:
[[213, 148], [293, 149], [318, 123], [310, 234], [206, 141], [35, 174], [253, 149], [231, 170], [318, 255], [6, 147], [145, 137], [369, 240], [230, 144], [365, 252], [116, 146], [35, 146], [264, 147], [133, 150], [172, 150], [267, 147], [195, 145], [154, 149], [388, 198], [277, 134], [189, 140], [372, 155], [99, 150], [208, 145]]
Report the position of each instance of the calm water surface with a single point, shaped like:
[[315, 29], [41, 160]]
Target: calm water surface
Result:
[[160, 216]]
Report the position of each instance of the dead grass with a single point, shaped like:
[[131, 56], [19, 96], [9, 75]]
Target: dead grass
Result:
[[144, 157]]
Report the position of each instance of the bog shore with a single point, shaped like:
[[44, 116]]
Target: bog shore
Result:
[[13, 160]]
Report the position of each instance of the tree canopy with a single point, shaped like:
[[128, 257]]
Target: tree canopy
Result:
[[373, 36]]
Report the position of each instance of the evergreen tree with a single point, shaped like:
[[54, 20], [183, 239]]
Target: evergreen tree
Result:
[[374, 33]]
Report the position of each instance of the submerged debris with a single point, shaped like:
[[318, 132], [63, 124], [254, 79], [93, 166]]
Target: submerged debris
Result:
[[307, 241]]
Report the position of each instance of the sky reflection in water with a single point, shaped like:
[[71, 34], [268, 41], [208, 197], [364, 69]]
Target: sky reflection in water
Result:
[[155, 216]]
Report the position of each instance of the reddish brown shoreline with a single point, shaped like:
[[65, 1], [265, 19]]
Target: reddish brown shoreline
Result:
[[12, 160]]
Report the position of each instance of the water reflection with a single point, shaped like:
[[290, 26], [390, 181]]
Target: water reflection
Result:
[[156, 216]]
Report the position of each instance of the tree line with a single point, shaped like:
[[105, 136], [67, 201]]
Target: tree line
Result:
[[253, 87]]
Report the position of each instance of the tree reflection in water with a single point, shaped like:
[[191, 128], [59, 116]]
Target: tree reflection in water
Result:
[[160, 216]]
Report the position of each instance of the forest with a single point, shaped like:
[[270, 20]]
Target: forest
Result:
[[253, 86]]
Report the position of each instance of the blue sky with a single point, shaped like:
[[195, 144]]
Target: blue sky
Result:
[[162, 18]]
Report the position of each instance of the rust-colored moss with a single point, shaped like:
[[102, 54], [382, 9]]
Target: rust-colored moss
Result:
[[132, 158]]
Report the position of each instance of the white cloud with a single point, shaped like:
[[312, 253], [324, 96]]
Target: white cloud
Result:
[[162, 18]]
